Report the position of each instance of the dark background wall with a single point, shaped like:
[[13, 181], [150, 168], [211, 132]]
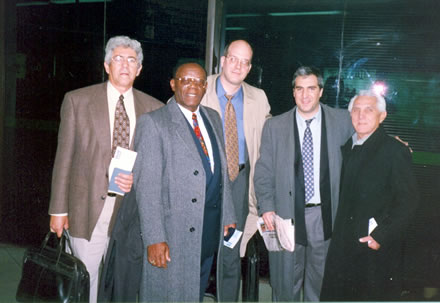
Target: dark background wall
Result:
[[59, 46]]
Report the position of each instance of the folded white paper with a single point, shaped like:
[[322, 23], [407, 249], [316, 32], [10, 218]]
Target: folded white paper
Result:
[[282, 238], [122, 162], [372, 224], [233, 240]]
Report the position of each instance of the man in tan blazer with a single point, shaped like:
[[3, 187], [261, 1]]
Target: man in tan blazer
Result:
[[251, 109], [79, 200]]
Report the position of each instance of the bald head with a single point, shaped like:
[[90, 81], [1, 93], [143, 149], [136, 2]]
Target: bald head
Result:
[[236, 65], [240, 44]]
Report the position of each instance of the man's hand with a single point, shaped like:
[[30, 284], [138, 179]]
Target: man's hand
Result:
[[226, 227], [124, 181], [371, 242], [58, 223], [268, 220], [158, 254]]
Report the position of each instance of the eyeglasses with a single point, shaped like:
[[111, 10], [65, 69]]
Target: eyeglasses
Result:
[[234, 60], [132, 61], [187, 81]]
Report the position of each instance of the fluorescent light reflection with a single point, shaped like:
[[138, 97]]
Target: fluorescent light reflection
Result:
[[235, 28], [286, 14]]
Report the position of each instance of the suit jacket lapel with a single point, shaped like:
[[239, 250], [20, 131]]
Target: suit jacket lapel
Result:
[[180, 127], [99, 115], [290, 160], [210, 97], [138, 110]]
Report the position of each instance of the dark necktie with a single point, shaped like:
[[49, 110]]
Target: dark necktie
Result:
[[199, 135], [307, 157], [121, 129], [231, 138]]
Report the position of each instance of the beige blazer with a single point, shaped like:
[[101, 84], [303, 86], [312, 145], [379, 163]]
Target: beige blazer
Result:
[[256, 110], [80, 173]]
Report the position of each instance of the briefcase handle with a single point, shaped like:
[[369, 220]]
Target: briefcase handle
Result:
[[64, 238]]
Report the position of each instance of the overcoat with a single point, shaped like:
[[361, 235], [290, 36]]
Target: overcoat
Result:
[[275, 182], [169, 180], [80, 173], [377, 182], [256, 110]]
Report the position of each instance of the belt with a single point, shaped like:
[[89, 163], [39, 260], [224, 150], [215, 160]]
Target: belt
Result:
[[241, 167], [111, 194], [312, 204]]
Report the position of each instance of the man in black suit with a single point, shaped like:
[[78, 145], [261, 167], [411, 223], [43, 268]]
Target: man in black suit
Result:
[[378, 197]]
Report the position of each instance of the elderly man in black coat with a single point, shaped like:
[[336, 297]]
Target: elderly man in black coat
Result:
[[378, 198]]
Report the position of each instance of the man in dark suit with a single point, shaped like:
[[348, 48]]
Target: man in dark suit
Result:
[[91, 118], [182, 191], [377, 200], [297, 177]]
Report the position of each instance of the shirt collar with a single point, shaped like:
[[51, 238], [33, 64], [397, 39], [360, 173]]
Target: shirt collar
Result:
[[221, 91], [187, 113], [357, 141], [114, 93], [316, 117]]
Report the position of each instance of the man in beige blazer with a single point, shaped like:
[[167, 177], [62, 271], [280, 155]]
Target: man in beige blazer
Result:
[[79, 200], [251, 109]]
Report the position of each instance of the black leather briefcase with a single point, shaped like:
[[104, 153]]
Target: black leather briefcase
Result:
[[50, 274]]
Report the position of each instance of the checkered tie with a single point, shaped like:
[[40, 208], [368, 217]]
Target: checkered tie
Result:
[[231, 138], [121, 129], [199, 135], [307, 158]]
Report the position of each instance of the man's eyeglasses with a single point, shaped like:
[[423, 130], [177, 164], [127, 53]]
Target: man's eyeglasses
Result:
[[187, 81], [132, 61], [234, 60]]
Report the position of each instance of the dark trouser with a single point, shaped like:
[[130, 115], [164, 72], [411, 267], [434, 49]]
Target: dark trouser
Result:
[[231, 257], [205, 270]]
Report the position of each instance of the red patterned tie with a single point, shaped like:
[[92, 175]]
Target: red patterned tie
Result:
[[199, 135], [121, 129]]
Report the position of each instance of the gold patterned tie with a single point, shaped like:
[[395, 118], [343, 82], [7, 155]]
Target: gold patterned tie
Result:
[[231, 139], [121, 129]]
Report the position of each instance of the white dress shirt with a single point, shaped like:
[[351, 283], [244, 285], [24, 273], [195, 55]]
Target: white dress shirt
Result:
[[315, 128], [188, 115], [112, 98]]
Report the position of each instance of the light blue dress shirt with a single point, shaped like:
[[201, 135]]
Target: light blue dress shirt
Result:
[[237, 102]]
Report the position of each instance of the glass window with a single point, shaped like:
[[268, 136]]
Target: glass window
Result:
[[393, 45]]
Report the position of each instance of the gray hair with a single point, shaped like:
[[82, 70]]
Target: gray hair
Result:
[[381, 104], [307, 71], [123, 41]]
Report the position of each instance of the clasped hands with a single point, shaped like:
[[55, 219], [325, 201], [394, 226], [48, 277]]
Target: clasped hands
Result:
[[158, 254]]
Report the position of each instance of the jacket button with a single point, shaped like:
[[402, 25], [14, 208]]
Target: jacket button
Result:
[[290, 193], [196, 172], [192, 229], [103, 197], [194, 200]]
